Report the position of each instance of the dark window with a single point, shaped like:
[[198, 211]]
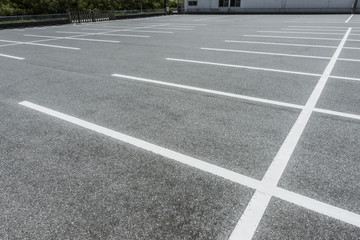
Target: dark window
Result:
[[223, 3], [235, 3], [192, 3]]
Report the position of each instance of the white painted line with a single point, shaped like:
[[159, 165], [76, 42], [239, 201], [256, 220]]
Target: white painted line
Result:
[[339, 114], [193, 162], [238, 96], [345, 78], [349, 60], [37, 44], [245, 67], [73, 38], [145, 31], [168, 28], [345, 28], [106, 34], [301, 32], [282, 44], [317, 206], [347, 20], [314, 29], [251, 218], [353, 48], [204, 19], [354, 40], [13, 57], [265, 53], [307, 38], [262, 192]]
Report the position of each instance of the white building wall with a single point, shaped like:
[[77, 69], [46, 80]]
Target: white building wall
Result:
[[274, 5]]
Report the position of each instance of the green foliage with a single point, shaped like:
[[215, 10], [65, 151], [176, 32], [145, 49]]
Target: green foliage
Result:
[[21, 7]]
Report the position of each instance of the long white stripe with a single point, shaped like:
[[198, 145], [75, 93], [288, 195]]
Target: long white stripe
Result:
[[190, 161], [345, 78], [347, 20], [314, 29], [261, 193], [282, 44], [13, 57], [145, 31], [73, 38], [317, 206], [238, 96], [283, 104], [335, 113], [106, 34], [301, 32], [264, 53], [250, 221], [306, 38], [345, 28], [245, 67]]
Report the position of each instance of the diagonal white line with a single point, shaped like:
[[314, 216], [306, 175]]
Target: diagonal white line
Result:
[[306, 38], [347, 20], [190, 161], [295, 198], [317, 33], [264, 53], [243, 97], [13, 57], [282, 44], [250, 219], [242, 66]]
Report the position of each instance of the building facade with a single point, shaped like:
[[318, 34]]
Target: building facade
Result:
[[271, 6]]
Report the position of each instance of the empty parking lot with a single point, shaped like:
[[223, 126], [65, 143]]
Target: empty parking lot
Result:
[[182, 127]]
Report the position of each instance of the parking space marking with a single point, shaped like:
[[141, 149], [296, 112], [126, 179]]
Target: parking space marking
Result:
[[105, 34], [37, 44], [226, 94], [345, 28], [250, 219], [281, 44], [312, 29], [244, 67], [339, 114], [264, 53], [72, 38], [305, 38], [145, 31], [347, 20], [13, 57], [301, 32], [237, 96], [261, 190], [345, 78], [190, 161]]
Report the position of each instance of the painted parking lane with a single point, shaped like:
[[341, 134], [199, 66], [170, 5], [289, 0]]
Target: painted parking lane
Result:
[[136, 193]]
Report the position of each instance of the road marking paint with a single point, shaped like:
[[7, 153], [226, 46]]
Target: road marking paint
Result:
[[345, 78], [349, 60], [145, 31], [314, 29], [261, 190], [345, 28], [204, 19], [317, 206], [264, 53], [301, 32], [13, 57], [168, 28], [73, 38], [283, 44], [251, 218], [307, 38], [190, 161], [238, 96], [354, 40], [245, 67], [106, 34], [50, 45], [347, 20], [335, 113]]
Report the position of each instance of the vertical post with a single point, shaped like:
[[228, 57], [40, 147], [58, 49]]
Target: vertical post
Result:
[[166, 7], [93, 16], [70, 20], [178, 7], [141, 2]]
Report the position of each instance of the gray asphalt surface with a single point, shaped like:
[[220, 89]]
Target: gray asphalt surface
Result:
[[62, 181]]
